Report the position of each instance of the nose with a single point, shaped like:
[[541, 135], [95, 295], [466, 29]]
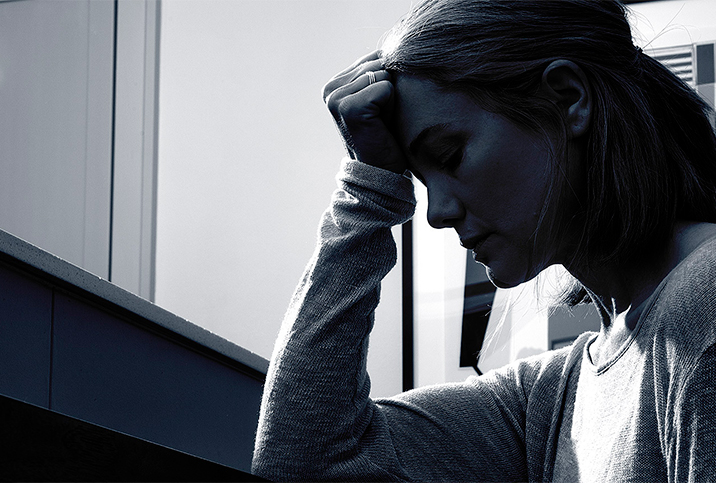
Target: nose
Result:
[[444, 209]]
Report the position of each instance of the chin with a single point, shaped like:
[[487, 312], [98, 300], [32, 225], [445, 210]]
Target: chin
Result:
[[507, 280], [498, 282]]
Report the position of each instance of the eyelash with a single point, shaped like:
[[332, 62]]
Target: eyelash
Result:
[[453, 161]]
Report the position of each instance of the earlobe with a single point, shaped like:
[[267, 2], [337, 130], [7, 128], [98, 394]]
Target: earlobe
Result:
[[565, 84]]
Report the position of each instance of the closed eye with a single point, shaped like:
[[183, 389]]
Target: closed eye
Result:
[[448, 162], [451, 161]]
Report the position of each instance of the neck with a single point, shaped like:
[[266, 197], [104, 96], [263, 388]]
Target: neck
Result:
[[616, 290], [619, 291]]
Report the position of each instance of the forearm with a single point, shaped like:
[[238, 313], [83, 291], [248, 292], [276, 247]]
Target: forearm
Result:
[[316, 407]]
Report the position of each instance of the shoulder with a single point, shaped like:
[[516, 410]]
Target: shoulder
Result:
[[692, 283], [691, 425], [683, 314], [680, 326]]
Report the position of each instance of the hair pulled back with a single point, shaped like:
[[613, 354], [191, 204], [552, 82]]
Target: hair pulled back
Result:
[[651, 150]]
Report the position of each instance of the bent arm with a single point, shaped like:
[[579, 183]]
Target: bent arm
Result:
[[315, 409], [317, 421]]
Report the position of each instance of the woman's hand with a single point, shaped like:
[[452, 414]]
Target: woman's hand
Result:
[[360, 102]]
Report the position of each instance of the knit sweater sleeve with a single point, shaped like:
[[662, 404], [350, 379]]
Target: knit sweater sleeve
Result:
[[692, 447], [317, 421], [315, 407]]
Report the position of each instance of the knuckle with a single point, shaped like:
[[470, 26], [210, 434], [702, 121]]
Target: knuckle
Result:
[[327, 90], [332, 102], [326, 93], [349, 108]]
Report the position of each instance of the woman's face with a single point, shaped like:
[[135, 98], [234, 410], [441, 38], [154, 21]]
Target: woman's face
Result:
[[486, 177]]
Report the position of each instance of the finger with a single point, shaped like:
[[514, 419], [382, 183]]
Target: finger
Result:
[[359, 111], [360, 83], [367, 136], [347, 77], [366, 104], [366, 58]]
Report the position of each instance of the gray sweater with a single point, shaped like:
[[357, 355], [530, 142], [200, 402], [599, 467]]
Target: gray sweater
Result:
[[647, 414]]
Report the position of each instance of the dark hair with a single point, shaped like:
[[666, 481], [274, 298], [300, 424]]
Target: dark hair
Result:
[[651, 149]]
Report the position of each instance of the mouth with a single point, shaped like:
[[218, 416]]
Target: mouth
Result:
[[473, 243]]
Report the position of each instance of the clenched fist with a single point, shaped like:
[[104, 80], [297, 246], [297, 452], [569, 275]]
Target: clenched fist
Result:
[[360, 99]]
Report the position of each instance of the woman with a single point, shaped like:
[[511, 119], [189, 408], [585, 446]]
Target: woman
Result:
[[543, 136]]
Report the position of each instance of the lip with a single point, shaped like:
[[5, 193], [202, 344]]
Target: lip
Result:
[[473, 243]]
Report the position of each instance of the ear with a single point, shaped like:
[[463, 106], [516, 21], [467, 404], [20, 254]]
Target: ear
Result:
[[564, 83]]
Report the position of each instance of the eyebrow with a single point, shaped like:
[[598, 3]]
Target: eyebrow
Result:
[[434, 130]]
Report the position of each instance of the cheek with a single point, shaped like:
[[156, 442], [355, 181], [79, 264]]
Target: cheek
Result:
[[511, 206], [509, 195], [513, 170]]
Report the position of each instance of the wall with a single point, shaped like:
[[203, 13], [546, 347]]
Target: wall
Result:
[[77, 86], [247, 159], [56, 61], [78, 345]]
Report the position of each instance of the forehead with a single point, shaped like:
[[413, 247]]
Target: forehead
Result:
[[420, 105]]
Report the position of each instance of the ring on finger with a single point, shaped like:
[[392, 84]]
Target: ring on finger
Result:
[[371, 77]]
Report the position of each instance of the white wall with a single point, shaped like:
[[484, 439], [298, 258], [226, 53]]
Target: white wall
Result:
[[77, 132], [247, 159], [56, 127]]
